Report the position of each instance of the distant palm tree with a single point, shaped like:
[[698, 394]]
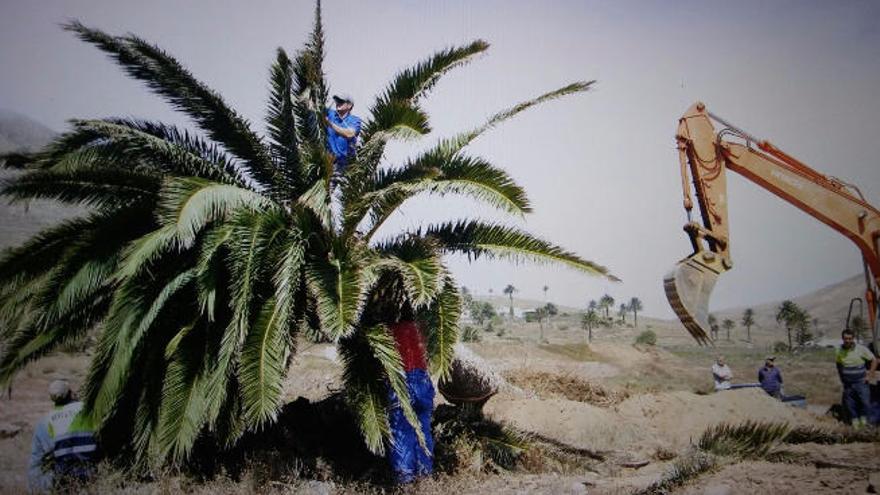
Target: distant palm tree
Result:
[[787, 314], [748, 319], [546, 288], [622, 311], [509, 290], [593, 305], [713, 325], [202, 256], [588, 321], [635, 305], [728, 325], [606, 302]]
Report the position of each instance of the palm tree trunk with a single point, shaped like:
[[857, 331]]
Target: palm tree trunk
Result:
[[789, 338], [749, 333]]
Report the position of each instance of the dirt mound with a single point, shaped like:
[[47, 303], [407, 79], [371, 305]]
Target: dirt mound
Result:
[[644, 423], [553, 386]]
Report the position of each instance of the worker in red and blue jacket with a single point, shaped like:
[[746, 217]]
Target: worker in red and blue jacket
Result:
[[407, 457]]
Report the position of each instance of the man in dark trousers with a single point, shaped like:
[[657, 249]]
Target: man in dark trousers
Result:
[[343, 129], [770, 378]]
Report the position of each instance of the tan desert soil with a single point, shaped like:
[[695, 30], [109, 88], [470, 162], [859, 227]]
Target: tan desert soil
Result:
[[750, 478]]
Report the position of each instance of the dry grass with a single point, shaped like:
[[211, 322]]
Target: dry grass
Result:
[[566, 386]]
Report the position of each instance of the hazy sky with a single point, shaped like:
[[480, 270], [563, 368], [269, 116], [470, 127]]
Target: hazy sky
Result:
[[601, 168]]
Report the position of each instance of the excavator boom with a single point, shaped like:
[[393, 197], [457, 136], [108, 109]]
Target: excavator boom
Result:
[[704, 158]]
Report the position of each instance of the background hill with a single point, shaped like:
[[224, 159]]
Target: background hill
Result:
[[827, 305], [20, 221]]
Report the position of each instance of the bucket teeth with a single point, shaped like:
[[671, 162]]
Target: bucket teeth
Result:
[[688, 287]]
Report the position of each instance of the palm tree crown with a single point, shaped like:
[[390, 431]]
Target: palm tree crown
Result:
[[204, 255]]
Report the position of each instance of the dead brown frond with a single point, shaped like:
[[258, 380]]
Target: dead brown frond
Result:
[[687, 468], [566, 386]]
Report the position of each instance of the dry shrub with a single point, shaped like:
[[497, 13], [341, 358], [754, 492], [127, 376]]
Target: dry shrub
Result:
[[566, 386]]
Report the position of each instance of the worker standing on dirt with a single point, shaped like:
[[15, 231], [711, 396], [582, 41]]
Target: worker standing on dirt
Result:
[[721, 374], [343, 129], [856, 367], [64, 446], [770, 378]]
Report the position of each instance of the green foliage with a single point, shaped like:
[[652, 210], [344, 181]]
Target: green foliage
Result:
[[647, 337], [750, 440], [685, 469], [202, 259], [470, 334], [780, 346]]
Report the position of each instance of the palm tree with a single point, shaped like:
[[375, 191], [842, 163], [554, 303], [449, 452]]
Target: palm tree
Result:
[[787, 314], [728, 325], [622, 311], [546, 288], [635, 305], [589, 320], [606, 302], [509, 290], [713, 325], [593, 305], [748, 319], [203, 255]]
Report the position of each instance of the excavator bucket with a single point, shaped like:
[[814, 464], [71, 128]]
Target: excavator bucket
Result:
[[688, 287]]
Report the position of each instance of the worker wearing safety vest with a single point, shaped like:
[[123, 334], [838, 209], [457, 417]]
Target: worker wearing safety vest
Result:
[[851, 360], [64, 446]]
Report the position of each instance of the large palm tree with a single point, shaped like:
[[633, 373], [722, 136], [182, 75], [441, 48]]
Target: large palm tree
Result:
[[205, 254]]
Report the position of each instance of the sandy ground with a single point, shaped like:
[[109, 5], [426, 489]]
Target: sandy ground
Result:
[[659, 407]]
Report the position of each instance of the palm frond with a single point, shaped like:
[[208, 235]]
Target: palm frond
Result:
[[414, 82], [455, 174], [442, 318], [263, 363], [281, 124], [421, 270], [168, 78], [384, 349], [454, 145], [477, 239], [191, 203], [338, 286], [131, 317], [365, 391], [97, 188], [749, 440], [310, 86]]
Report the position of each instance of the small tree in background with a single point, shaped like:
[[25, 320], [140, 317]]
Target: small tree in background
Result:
[[801, 325], [606, 303], [509, 290], [713, 326], [728, 325], [622, 311], [786, 314], [748, 319], [635, 305], [589, 320]]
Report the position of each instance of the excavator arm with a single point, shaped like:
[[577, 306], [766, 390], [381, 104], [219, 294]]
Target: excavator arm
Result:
[[705, 156]]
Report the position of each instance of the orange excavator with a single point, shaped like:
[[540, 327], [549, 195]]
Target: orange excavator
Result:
[[705, 157]]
